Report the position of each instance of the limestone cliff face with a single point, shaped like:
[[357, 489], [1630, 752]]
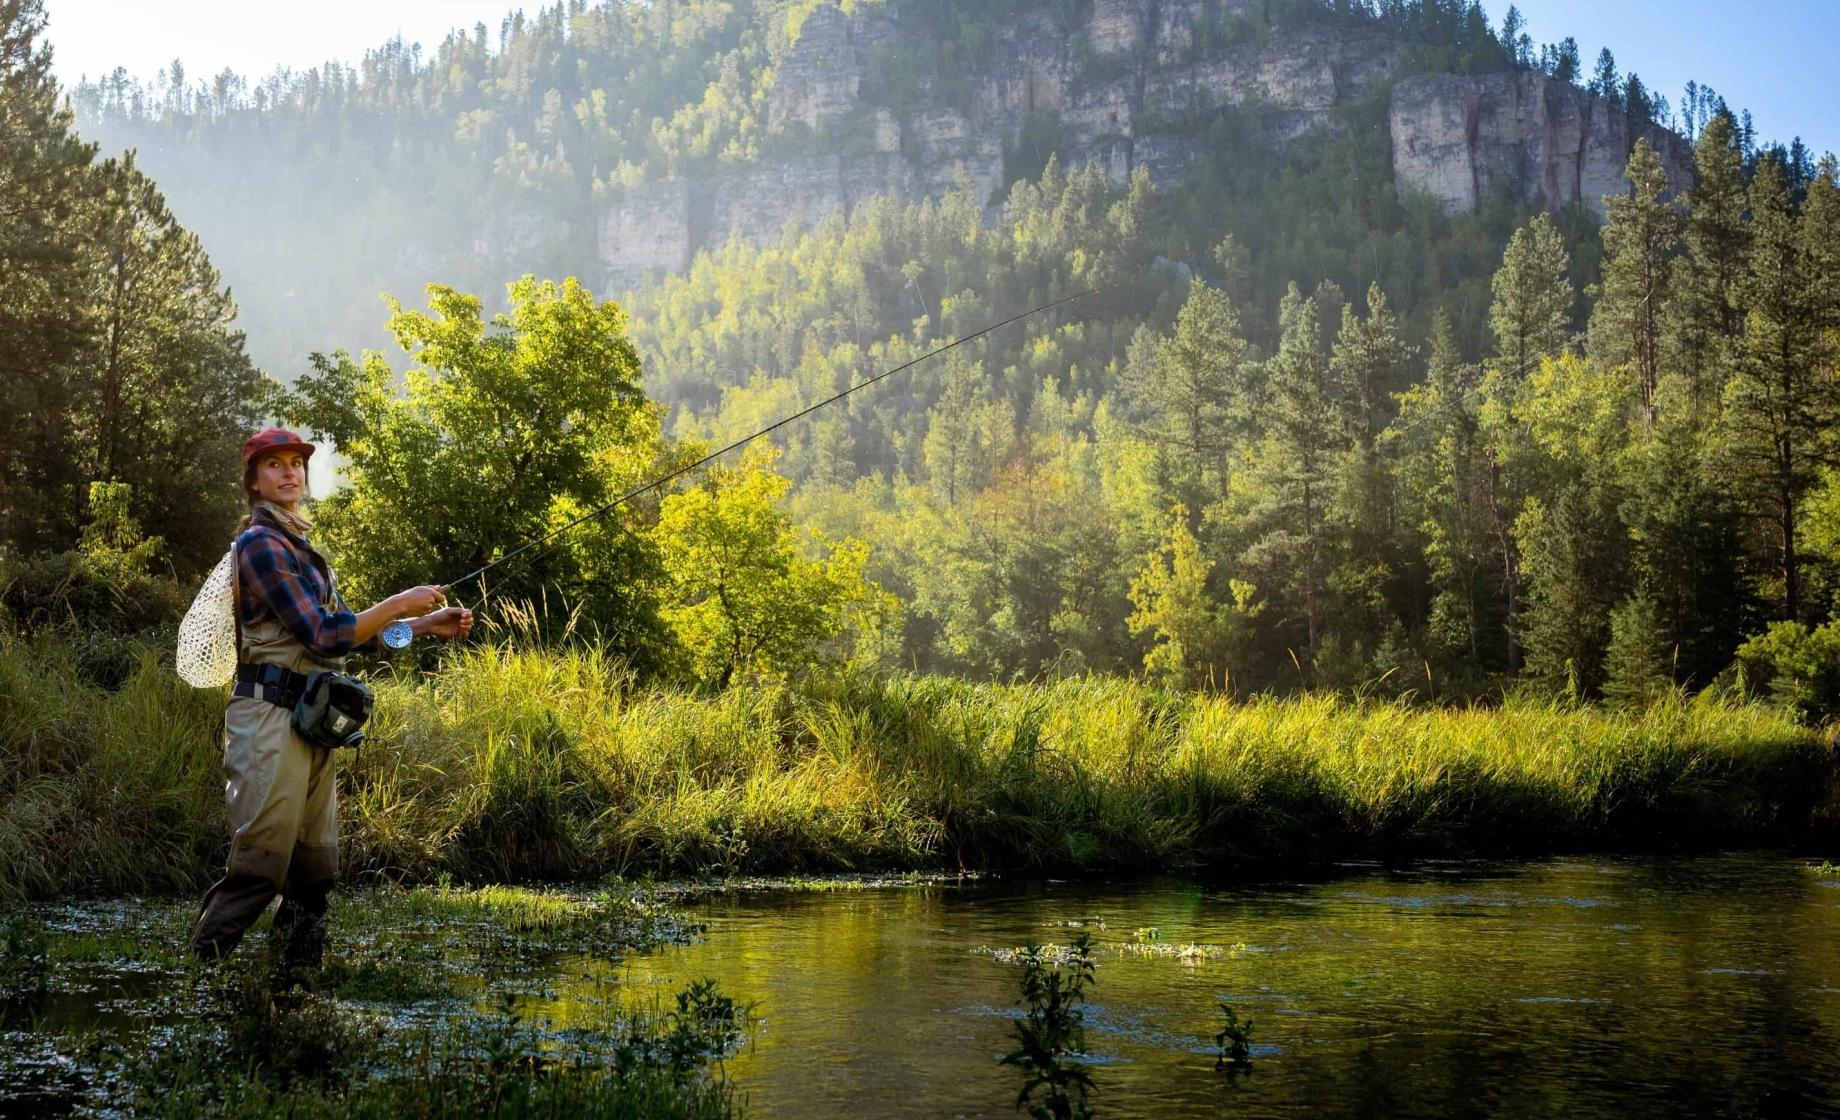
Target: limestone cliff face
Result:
[[1552, 142], [1121, 87]]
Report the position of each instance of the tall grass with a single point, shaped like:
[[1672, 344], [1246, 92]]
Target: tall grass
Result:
[[514, 764]]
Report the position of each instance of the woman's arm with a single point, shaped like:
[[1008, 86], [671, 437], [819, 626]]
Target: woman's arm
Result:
[[272, 567], [412, 603]]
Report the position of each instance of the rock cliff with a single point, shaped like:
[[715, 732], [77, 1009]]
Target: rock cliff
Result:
[[1122, 85]]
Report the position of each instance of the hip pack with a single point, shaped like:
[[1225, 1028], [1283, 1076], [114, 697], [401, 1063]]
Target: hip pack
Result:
[[325, 708]]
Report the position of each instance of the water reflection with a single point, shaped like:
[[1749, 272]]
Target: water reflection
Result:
[[1577, 987]]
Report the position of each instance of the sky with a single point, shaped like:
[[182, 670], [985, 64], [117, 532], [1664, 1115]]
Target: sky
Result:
[[1774, 57]]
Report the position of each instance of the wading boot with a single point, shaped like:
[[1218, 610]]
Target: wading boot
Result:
[[299, 934], [231, 906]]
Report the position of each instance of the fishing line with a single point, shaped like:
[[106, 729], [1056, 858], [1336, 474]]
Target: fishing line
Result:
[[681, 471]]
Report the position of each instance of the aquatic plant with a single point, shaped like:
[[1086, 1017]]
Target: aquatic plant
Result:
[[1234, 1039], [1052, 1030], [25, 956]]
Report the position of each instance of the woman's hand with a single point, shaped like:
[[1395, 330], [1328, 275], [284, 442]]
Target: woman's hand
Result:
[[449, 622], [419, 601]]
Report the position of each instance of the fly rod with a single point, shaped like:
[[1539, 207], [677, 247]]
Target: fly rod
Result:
[[681, 471]]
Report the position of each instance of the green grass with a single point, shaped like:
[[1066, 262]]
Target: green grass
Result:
[[510, 765]]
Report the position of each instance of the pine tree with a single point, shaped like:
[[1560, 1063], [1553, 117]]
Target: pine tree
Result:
[[1196, 383], [1686, 537], [1640, 236], [1529, 319], [1781, 401], [46, 190], [1706, 318], [1533, 298], [1442, 475], [1306, 429], [1636, 667], [1603, 80]]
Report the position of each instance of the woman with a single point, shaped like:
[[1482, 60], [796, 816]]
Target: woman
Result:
[[290, 621]]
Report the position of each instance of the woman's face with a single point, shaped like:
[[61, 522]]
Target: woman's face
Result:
[[281, 477]]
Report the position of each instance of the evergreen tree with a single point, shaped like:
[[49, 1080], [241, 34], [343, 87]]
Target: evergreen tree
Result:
[[1306, 428], [1640, 237], [1604, 81], [1442, 482], [46, 189], [1636, 668], [117, 361], [1706, 319], [1369, 368], [1196, 383], [1529, 318], [1781, 400], [1686, 538], [1531, 311]]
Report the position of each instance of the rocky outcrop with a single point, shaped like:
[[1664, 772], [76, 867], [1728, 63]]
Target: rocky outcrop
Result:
[[1550, 142], [646, 233], [1123, 87]]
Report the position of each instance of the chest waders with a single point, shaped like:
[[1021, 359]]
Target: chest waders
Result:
[[281, 798]]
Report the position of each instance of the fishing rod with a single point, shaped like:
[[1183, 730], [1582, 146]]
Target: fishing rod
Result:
[[681, 471]]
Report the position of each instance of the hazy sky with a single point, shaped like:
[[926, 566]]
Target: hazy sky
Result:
[[1774, 57]]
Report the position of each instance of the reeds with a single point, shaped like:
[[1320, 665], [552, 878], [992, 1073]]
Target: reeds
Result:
[[510, 764]]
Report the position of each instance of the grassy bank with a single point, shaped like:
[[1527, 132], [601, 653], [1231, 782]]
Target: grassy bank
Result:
[[515, 765]]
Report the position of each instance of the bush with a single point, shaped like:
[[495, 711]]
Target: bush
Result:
[[1800, 667]]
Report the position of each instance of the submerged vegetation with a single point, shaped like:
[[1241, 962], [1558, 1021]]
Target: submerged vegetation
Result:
[[530, 764]]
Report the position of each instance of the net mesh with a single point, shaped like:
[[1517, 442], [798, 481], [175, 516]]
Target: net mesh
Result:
[[207, 636]]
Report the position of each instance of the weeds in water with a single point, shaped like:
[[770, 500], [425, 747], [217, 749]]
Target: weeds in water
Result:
[[25, 956], [283, 1054], [1234, 1040], [1051, 1031], [1826, 869], [704, 1026]]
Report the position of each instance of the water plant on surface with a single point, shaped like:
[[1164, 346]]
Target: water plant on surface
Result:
[[1234, 1040], [1051, 1031]]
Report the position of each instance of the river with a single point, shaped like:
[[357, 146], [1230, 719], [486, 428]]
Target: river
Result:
[[1568, 987]]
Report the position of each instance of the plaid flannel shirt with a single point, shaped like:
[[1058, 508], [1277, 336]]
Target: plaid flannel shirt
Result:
[[280, 575]]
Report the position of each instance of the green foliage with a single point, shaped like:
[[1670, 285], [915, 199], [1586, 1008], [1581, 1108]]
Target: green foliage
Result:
[[1052, 1031], [743, 597], [1196, 641], [1800, 665], [504, 430], [99, 592], [1636, 664], [117, 361]]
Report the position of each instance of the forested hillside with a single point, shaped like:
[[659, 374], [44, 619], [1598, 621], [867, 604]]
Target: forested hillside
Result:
[[610, 142], [1323, 424]]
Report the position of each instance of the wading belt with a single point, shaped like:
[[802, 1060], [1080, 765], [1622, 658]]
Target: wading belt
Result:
[[276, 684]]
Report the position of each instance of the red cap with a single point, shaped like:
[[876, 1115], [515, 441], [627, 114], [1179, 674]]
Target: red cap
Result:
[[272, 438]]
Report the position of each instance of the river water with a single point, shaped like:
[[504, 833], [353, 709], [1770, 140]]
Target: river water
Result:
[[1571, 987]]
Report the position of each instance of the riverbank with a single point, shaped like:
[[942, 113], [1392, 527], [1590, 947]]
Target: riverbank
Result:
[[520, 766]]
